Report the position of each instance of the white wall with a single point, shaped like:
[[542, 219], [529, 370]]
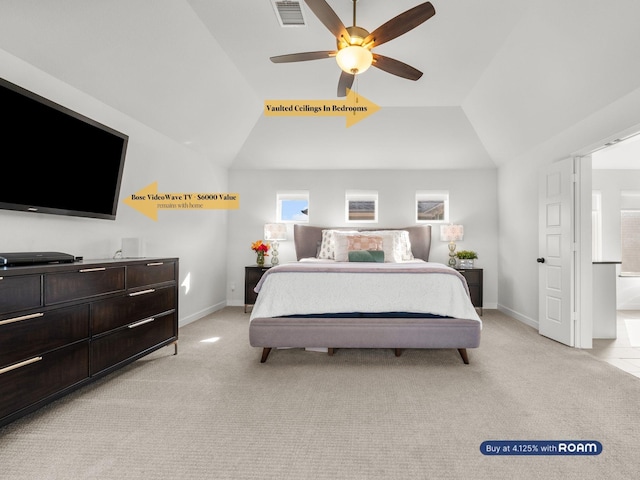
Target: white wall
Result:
[[472, 197], [518, 219], [610, 183], [189, 235]]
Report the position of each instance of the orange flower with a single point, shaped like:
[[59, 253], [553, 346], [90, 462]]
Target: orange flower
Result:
[[258, 246]]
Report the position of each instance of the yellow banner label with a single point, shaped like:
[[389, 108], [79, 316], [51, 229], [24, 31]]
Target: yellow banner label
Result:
[[148, 201], [354, 108]]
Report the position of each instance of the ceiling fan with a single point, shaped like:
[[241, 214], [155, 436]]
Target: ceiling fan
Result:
[[354, 54]]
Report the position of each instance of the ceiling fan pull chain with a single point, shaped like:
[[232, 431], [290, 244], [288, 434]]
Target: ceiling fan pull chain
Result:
[[357, 88]]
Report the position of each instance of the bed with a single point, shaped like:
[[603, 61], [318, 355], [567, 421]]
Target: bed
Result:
[[363, 288]]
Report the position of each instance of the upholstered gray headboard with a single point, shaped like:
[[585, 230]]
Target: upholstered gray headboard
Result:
[[307, 238]]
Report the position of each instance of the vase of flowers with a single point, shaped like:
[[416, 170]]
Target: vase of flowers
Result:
[[261, 250], [466, 258]]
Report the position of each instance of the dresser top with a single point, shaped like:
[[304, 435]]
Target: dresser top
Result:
[[91, 263]]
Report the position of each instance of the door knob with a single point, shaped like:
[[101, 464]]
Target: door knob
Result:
[[540, 260]]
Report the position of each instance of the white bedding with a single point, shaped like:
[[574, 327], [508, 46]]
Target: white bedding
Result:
[[415, 286]]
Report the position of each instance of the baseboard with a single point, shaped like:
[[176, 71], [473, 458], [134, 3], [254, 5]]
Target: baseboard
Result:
[[202, 313], [521, 318]]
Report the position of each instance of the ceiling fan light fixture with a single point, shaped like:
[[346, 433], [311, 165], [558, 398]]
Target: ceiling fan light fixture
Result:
[[354, 44], [354, 59]]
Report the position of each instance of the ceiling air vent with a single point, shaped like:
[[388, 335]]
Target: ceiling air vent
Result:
[[289, 13]]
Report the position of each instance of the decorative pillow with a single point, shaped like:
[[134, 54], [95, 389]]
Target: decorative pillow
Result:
[[396, 244], [363, 242], [347, 241], [328, 243], [366, 256], [405, 245]]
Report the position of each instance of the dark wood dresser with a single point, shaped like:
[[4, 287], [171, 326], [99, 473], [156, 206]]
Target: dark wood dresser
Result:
[[64, 325]]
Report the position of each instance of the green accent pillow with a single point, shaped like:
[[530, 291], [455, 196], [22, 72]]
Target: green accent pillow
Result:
[[366, 256]]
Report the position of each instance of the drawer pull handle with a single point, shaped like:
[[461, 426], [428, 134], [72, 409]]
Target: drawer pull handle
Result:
[[99, 269], [19, 319], [141, 322], [142, 292], [154, 264], [21, 364]]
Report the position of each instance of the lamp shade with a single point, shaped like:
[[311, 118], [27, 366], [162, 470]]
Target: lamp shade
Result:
[[354, 59], [275, 231], [451, 233]]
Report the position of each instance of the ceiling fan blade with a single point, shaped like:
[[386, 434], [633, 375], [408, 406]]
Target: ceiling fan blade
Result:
[[329, 18], [346, 81], [401, 24], [301, 57], [395, 67]]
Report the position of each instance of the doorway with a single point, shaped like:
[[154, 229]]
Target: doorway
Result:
[[616, 189]]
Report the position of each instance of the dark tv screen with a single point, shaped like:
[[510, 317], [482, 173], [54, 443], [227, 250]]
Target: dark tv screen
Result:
[[55, 160]]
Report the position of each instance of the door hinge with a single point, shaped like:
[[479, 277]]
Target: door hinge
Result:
[[574, 177]]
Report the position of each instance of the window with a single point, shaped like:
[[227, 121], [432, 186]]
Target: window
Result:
[[630, 241], [432, 207], [630, 232], [361, 206], [292, 207]]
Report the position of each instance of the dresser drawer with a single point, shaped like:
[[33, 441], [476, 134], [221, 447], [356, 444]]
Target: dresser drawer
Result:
[[83, 283], [150, 274], [36, 378], [25, 336], [20, 293], [133, 307], [109, 350]]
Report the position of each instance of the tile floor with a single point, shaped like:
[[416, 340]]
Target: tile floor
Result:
[[623, 351]]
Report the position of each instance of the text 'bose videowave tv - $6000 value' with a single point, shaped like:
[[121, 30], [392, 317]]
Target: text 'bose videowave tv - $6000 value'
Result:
[[55, 160]]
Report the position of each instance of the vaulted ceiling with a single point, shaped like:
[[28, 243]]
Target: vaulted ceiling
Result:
[[500, 76]]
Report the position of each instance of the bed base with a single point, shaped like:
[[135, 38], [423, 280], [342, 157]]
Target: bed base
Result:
[[397, 333], [398, 351]]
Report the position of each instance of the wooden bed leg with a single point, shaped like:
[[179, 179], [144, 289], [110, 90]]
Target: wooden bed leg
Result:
[[463, 354], [265, 354], [398, 352], [330, 351]]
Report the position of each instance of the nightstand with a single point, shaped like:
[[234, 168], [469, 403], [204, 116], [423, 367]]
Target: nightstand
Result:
[[474, 279], [252, 275]]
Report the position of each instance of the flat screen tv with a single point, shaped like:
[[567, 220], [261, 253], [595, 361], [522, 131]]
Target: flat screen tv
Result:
[[55, 160]]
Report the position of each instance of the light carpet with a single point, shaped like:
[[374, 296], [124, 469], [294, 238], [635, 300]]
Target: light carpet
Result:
[[214, 412]]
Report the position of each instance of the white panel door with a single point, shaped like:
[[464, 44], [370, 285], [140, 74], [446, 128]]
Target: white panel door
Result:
[[556, 231]]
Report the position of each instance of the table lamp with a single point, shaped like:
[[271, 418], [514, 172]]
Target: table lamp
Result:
[[451, 233], [273, 233]]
